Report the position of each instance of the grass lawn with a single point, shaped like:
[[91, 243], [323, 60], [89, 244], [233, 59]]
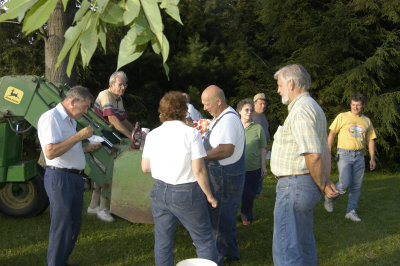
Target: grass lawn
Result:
[[374, 241]]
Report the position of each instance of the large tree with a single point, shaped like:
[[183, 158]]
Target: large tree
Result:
[[90, 23], [53, 35], [348, 46]]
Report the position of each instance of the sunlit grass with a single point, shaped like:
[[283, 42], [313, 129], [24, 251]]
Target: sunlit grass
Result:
[[374, 241]]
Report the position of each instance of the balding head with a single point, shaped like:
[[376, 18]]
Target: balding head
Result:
[[213, 99], [214, 92]]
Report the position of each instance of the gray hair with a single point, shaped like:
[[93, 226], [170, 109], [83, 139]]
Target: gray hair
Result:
[[118, 73], [297, 73], [243, 103], [80, 93]]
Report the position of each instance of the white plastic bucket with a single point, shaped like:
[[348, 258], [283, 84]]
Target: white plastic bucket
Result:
[[196, 262]]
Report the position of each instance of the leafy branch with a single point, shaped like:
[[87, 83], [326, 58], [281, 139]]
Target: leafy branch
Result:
[[90, 26]]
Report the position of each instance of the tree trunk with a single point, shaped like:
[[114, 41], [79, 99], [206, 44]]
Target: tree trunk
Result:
[[57, 24]]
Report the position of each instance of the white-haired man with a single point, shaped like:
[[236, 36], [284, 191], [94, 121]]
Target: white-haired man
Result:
[[300, 160], [65, 162], [109, 106]]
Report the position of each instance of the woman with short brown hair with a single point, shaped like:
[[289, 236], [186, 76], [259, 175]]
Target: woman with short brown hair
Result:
[[174, 153]]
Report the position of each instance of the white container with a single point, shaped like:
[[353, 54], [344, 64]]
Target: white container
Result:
[[196, 262]]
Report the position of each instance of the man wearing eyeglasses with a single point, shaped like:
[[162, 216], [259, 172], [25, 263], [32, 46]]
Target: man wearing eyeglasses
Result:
[[109, 106]]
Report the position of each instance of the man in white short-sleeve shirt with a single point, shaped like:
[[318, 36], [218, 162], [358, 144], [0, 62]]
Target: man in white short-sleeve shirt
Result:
[[65, 161], [227, 131], [224, 143]]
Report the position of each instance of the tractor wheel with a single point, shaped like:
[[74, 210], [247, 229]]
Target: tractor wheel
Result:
[[24, 199]]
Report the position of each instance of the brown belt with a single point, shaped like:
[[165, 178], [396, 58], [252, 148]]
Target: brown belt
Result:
[[283, 176]]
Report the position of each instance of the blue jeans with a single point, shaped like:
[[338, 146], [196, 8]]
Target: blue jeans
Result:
[[226, 184], [65, 192], [188, 204], [351, 166], [293, 240], [251, 184]]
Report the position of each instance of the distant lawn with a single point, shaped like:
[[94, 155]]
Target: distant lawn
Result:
[[374, 241]]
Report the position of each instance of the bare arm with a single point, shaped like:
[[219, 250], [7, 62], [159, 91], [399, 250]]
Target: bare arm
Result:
[[319, 167], [263, 152], [314, 164], [371, 149], [330, 188], [331, 138], [55, 150], [128, 125], [91, 147], [120, 126], [326, 164], [200, 172], [221, 152], [146, 165]]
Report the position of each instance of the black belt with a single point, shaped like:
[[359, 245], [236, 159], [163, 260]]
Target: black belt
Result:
[[73, 171]]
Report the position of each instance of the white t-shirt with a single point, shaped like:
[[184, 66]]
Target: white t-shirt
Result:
[[193, 113], [171, 148], [55, 126], [228, 130]]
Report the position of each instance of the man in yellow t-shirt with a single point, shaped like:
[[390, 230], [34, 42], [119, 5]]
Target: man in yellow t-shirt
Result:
[[354, 131]]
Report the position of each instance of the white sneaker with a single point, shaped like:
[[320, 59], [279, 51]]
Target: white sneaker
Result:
[[352, 215], [92, 211], [329, 204], [105, 215]]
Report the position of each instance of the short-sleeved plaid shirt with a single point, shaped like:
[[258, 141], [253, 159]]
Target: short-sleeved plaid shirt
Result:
[[304, 131]]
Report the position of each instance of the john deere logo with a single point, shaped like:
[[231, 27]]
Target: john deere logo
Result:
[[13, 95]]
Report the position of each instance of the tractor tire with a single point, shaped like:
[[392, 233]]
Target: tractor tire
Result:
[[24, 199]]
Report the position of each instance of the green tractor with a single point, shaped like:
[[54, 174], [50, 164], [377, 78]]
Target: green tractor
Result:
[[21, 182], [22, 194]]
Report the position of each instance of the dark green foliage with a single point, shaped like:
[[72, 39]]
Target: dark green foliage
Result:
[[19, 54], [347, 46]]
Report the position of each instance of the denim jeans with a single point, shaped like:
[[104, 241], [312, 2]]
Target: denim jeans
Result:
[[293, 240], [351, 166], [185, 203], [226, 184], [65, 192], [251, 184]]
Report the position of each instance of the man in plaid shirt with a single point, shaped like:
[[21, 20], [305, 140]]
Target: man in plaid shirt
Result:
[[301, 162]]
